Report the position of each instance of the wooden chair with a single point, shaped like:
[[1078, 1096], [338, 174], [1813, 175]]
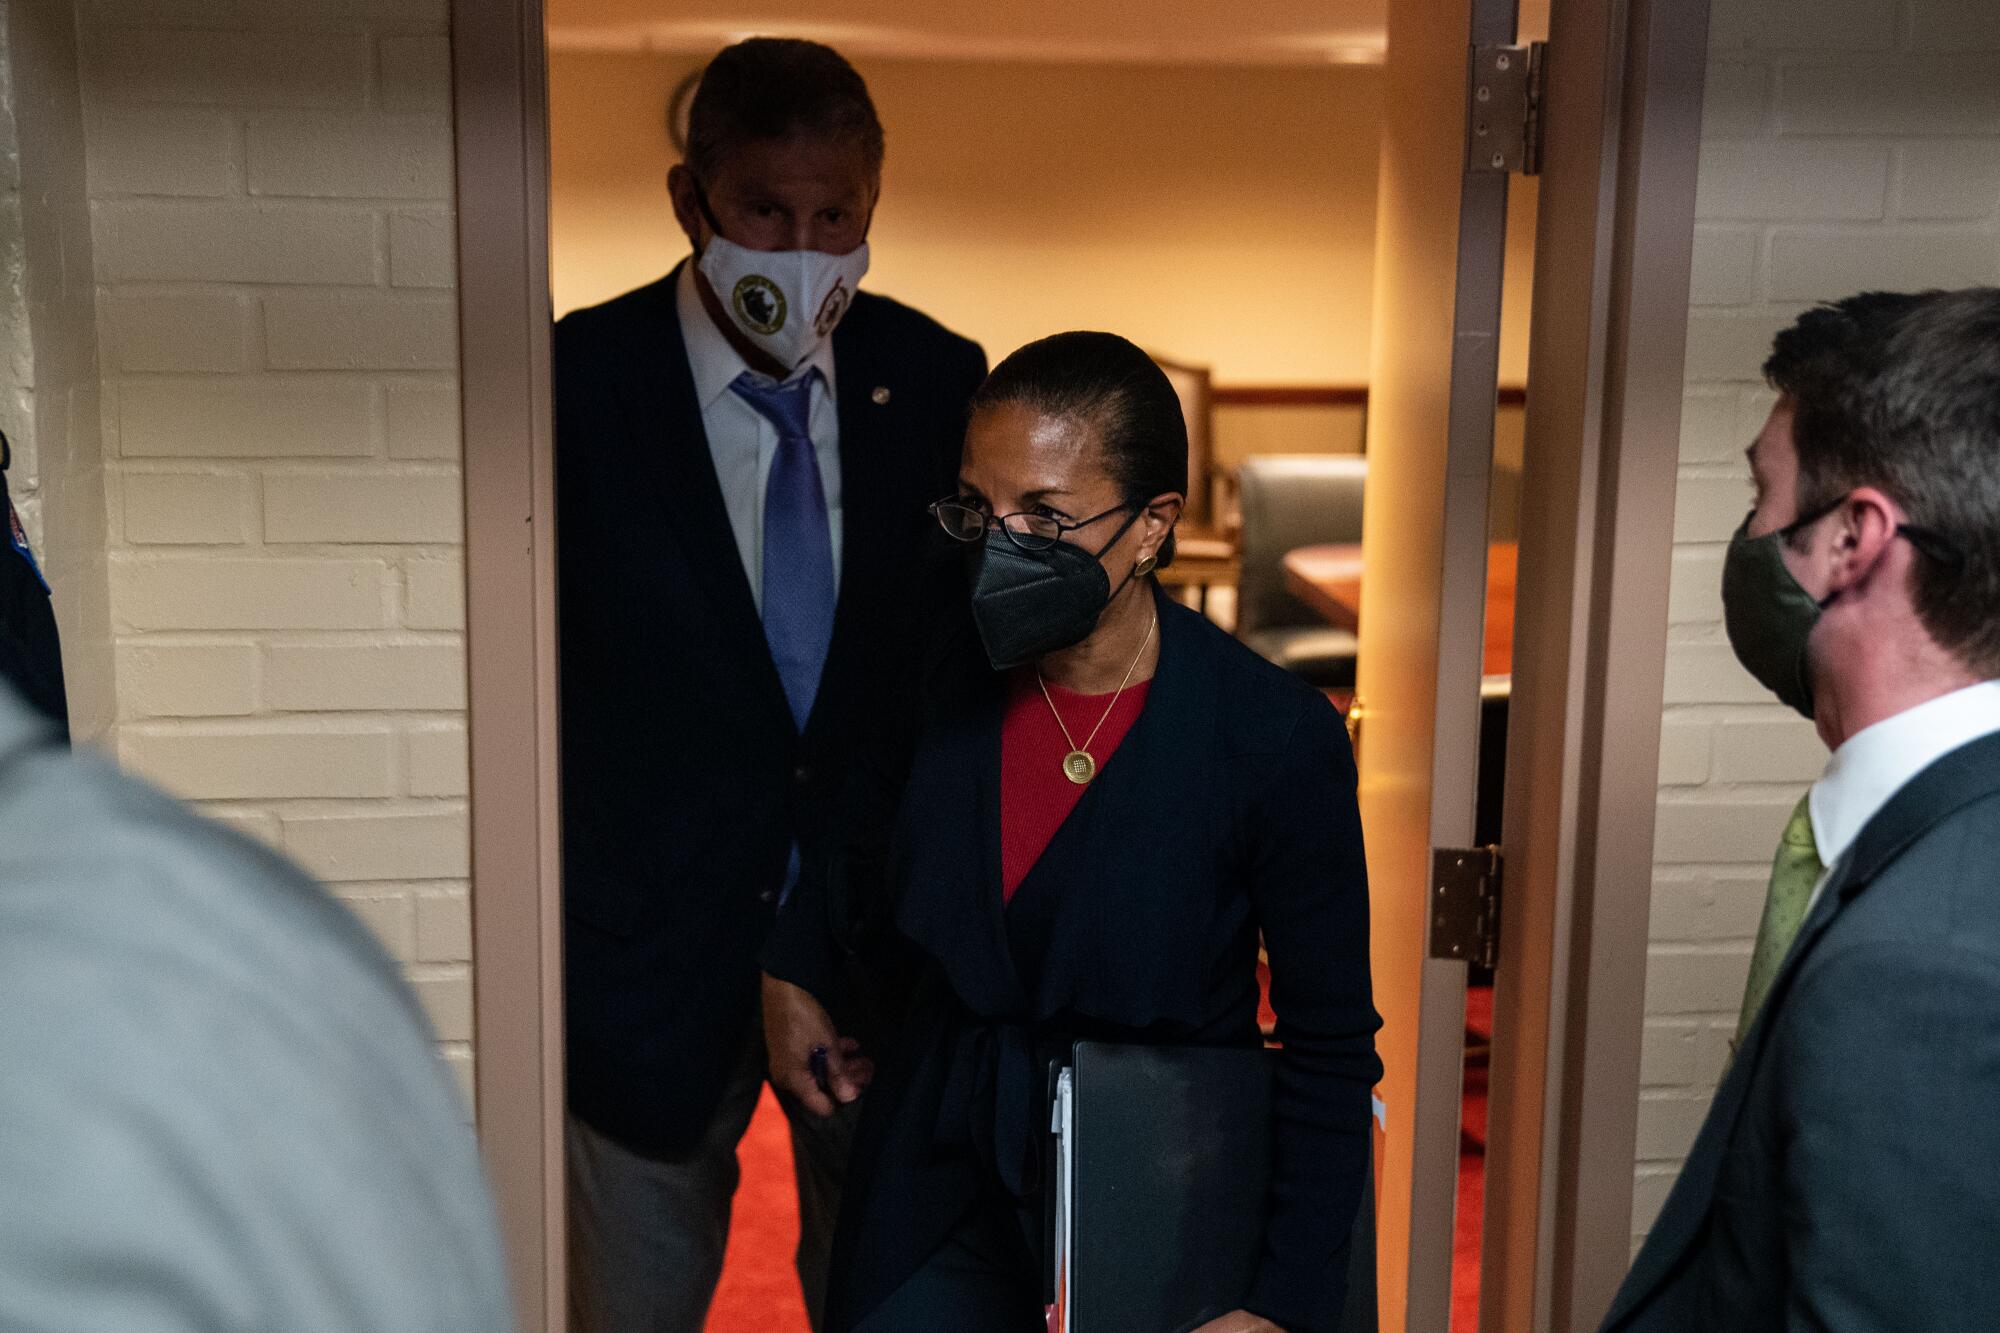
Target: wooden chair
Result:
[[1205, 553], [1197, 397]]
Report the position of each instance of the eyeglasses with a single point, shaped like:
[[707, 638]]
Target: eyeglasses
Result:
[[1031, 532]]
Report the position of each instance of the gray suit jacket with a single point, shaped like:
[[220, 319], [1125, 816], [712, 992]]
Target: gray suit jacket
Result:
[[1848, 1175], [220, 1108]]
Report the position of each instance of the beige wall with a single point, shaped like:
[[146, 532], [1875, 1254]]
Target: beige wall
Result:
[[1298, 31], [1841, 150], [1223, 216], [1241, 431], [47, 306], [271, 186]]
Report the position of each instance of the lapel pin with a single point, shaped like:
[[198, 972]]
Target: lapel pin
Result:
[[881, 395]]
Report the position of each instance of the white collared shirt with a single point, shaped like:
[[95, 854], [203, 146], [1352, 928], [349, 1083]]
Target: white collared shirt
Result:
[[1876, 762], [743, 442]]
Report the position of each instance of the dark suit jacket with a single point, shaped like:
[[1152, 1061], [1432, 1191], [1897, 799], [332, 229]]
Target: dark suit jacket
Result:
[[684, 780], [1228, 809], [1848, 1175], [30, 654]]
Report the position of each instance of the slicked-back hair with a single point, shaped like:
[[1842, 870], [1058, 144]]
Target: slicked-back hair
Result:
[[1901, 391], [1112, 386], [767, 88]]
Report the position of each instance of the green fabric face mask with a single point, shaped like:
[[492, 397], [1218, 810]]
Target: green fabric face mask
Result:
[[1768, 615]]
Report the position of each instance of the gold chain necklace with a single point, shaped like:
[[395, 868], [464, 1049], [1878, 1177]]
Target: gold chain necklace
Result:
[[1077, 765]]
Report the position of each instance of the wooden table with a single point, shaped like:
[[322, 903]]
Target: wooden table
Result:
[[1328, 579]]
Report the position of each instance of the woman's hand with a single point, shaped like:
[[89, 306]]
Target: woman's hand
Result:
[[1240, 1321], [794, 1027]]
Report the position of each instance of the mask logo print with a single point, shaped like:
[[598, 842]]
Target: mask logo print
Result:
[[784, 301], [832, 308], [759, 303]]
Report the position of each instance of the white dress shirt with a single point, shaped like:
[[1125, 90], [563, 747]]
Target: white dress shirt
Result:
[[742, 440], [1876, 762]]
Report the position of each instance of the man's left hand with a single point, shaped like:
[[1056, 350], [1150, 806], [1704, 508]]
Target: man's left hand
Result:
[[1240, 1321]]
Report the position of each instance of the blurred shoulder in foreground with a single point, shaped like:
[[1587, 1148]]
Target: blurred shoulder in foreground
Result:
[[220, 1107]]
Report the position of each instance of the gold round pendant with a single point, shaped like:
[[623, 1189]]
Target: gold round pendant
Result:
[[1079, 767]]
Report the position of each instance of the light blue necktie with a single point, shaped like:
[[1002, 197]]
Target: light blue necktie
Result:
[[799, 592]]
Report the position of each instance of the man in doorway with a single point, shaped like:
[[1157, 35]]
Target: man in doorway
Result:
[[1843, 1178], [745, 452]]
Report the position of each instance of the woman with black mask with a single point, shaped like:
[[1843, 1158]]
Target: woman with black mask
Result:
[[1108, 803]]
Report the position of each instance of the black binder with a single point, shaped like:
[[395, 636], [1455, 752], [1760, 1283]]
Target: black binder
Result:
[[1162, 1170]]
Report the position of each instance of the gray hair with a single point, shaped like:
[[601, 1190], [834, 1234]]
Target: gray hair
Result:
[[778, 88]]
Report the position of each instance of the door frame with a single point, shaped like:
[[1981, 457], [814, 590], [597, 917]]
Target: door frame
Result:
[[1613, 255], [1439, 269], [1622, 117], [501, 143]]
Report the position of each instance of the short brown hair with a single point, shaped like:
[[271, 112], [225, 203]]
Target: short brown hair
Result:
[[777, 88], [1902, 392]]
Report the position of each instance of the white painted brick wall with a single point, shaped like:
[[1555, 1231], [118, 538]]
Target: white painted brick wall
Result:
[[271, 187], [159, 679], [338, 677], [231, 240], [433, 593], [314, 155], [362, 330], [422, 420], [422, 249], [363, 507], [141, 54], [204, 331], [436, 761], [248, 416], [1846, 144], [153, 590], [185, 508], [413, 73], [425, 843], [255, 759]]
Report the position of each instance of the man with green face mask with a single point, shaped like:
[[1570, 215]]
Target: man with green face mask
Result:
[[1843, 1178], [1769, 614]]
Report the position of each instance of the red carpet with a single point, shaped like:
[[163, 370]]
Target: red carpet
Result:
[[1471, 1163], [759, 1292]]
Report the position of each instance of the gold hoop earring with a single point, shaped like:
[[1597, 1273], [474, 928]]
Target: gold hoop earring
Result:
[[1147, 564]]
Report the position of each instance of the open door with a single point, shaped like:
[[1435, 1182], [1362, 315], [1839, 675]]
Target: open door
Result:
[[1620, 119], [1441, 242]]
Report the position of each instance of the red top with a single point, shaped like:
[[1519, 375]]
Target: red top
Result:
[[1036, 796]]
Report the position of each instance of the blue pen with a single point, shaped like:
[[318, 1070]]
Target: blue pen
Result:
[[816, 1063]]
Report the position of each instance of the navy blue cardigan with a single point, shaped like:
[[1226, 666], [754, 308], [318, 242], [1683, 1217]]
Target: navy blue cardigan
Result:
[[1228, 811]]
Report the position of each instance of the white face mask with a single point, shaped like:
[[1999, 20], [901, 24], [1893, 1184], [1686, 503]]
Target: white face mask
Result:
[[786, 302]]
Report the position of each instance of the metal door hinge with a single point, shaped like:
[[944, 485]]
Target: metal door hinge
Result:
[[1465, 904], [1503, 109]]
